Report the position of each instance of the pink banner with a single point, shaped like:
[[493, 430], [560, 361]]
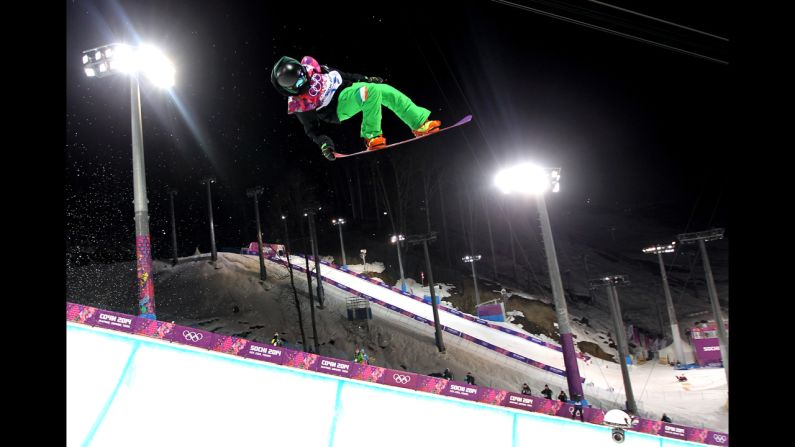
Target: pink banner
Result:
[[261, 351]]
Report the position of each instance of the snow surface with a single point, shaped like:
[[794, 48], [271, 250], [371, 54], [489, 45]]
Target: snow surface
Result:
[[198, 294]]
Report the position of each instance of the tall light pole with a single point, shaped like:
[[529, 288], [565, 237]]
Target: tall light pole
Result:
[[208, 181], [610, 282], [292, 282], [120, 58], [397, 239], [535, 181], [175, 258], [669, 303], [472, 260], [702, 237], [254, 192], [423, 239], [339, 223], [309, 213]]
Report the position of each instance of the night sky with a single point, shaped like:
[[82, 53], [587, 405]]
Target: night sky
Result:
[[633, 125]]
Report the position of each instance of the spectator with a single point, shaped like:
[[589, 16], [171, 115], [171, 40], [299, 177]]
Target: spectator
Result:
[[277, 340], [470, 378], [447, 374], [562, 396], [526, 389], [579, 404], [357, 356], [547, 392], [665, 418]]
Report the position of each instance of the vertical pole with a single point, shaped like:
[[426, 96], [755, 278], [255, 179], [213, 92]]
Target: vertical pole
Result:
[[713, 299], [475, 281], [311, 303], [566, 340], [214, 255], [143, 246], [313, 242], [669, 303], [175, 256], [262, 273], [400, 263], [342, 245], [292, 283], [436, 325], [618, 326]]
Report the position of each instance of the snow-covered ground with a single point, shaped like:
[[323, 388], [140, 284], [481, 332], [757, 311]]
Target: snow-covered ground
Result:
[[229, 299]]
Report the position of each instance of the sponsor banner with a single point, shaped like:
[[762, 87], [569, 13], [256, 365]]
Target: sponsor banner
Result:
[[673, 431], [455, 332], [707, 350], [152, 328], [523, 401], [112, 320], [491, 396], [716, 438], [299, 359], [593, 415], [335, 367], [461, 389], [368, 373], [548, 406], [190, 336], [80, 314], [403, 379], [428, 384], [261, 351], [230, 345]]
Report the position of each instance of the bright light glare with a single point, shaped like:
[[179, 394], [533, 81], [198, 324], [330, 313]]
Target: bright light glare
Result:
[[90, 72], [97, 55], [85, 58], [524, 178], [103, 68], [155, 66]]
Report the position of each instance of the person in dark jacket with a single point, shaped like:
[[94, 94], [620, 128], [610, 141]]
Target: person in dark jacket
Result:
[[525, 389], [276, 340], [470, 378], [562, 396], [579, 404], [547, 392], [447, 374], [319, 93], [665, 418]]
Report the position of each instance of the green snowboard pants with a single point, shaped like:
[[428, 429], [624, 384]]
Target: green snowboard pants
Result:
[[367, 98]]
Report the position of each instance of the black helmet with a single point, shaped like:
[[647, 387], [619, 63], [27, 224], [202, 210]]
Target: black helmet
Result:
[[289, 77]]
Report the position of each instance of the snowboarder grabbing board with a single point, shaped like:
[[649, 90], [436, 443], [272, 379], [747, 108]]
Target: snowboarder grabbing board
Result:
[[317, 92]]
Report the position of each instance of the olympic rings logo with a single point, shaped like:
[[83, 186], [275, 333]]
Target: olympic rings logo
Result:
[[316, 84], [192, 336], [719, 438], [401, 379]]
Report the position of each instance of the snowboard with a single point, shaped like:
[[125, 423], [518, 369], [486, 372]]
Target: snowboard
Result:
[[463, 120]]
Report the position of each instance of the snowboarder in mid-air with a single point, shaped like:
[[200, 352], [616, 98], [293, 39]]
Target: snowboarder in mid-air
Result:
[[316, 92]]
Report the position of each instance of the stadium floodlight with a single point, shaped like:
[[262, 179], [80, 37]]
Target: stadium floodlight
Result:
[[122, 58], [472, 260], [396, 239], [339, 222], [530, 179], [118, 58], [659, 249], [701, 237]]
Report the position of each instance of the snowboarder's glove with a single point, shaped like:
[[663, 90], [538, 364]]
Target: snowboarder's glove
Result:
[[374, 79], [327, 147]]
